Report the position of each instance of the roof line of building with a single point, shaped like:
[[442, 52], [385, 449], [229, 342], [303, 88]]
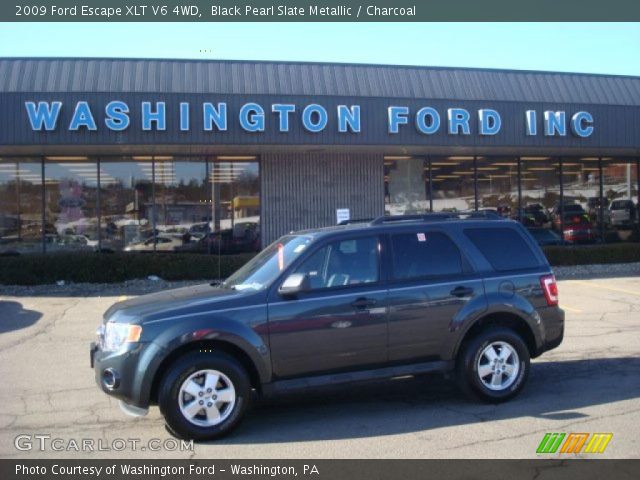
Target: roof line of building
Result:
[[340, 64]]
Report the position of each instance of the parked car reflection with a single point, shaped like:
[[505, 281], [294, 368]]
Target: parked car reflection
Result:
[[578, 228], [622, 213], [163, 243], [243, 238], [569, 210], [545, 237]]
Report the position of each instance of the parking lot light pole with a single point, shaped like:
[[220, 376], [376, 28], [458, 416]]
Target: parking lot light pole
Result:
[[475, 183], [638, 193], [561, 180], [430, 186], [99, 207], [519, 161], [43, 202], [601, 195]]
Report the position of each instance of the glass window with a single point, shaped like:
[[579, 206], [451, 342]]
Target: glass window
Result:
[[581, 194], [405, 185], [265, 267], [452, 183], [182, 207], [126, 203], [344, 262], [21, 205], [540, 203], [498, 188], [234, 183], [71, 185], [504, 248], [620, 189], [424, 254]]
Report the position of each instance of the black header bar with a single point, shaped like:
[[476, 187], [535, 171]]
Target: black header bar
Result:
[[217, 469], [319, 11]]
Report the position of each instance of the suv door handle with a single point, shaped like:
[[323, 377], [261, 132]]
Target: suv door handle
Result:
[[363, 303], [461, 291]]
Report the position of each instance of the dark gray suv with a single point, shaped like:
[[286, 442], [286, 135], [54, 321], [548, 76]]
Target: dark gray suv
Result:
[[471, 294]]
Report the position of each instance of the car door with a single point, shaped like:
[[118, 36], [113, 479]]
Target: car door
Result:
[[340, 322], [430, 282]]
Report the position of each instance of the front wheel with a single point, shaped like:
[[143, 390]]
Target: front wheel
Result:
[[494, 365], [204, 395]]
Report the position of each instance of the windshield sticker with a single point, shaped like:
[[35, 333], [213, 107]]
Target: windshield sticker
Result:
[[422, 237]]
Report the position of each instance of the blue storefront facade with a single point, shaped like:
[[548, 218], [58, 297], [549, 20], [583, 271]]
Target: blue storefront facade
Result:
[[202, 156]]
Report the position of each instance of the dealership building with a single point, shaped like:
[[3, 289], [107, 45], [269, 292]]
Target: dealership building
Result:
[[142, 154]]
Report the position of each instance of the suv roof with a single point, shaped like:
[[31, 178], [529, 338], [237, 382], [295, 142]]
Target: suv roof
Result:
[[474, 218]]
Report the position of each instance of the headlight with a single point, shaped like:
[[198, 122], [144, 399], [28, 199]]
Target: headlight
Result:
[[117, 334]]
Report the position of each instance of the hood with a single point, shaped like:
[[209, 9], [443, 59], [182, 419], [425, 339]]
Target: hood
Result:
[[179, 301]]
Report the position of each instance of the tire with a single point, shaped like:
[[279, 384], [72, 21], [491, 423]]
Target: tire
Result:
[[479, 378], [217, 382]]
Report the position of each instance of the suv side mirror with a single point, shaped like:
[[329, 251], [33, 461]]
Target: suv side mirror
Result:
[[294, 284]]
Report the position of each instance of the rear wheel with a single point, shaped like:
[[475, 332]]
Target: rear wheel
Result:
[[204, 395], [494, 365]]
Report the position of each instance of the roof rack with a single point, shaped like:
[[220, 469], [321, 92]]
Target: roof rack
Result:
[[356, 220], [439, 216]]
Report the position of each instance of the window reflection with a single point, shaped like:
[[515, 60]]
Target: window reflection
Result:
[[235, 208], [498, 186], [20, 205], [126, 202], [182, 207], [540, 202], [581, 177], [620, 189], [212, 204], [452, 187], [71, 185], [406, 185]]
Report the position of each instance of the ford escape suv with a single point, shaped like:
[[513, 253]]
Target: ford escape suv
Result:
[[468, 294]]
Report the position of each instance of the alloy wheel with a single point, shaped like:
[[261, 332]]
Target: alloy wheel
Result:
[[498, 366], [206, 398]]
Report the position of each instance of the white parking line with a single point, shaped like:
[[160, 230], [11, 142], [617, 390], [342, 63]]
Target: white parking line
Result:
[[606, 287], [570, 309]]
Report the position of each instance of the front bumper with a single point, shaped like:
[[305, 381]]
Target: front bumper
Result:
[[124, 374]]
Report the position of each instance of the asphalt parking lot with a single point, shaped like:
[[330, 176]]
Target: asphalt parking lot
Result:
[[591, 383]]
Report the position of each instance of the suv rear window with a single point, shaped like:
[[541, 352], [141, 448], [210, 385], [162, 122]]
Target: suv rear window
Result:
[[504, 248], [424, 254], [619, 204], [573, 208]]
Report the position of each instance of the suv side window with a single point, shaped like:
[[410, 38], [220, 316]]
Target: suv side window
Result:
[[424, 254], [504, 248], [344, 262]]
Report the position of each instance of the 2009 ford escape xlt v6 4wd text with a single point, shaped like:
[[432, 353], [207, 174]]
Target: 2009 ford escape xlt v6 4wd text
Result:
[[470, 294]]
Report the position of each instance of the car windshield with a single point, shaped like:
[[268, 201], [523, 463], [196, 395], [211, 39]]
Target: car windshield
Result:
[[265, 267], [573, 208], [619, 204]]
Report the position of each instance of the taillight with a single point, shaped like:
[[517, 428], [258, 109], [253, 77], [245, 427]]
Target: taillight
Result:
[[550, 289]]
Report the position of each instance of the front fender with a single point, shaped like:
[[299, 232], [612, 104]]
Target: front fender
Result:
[[173, 334]]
